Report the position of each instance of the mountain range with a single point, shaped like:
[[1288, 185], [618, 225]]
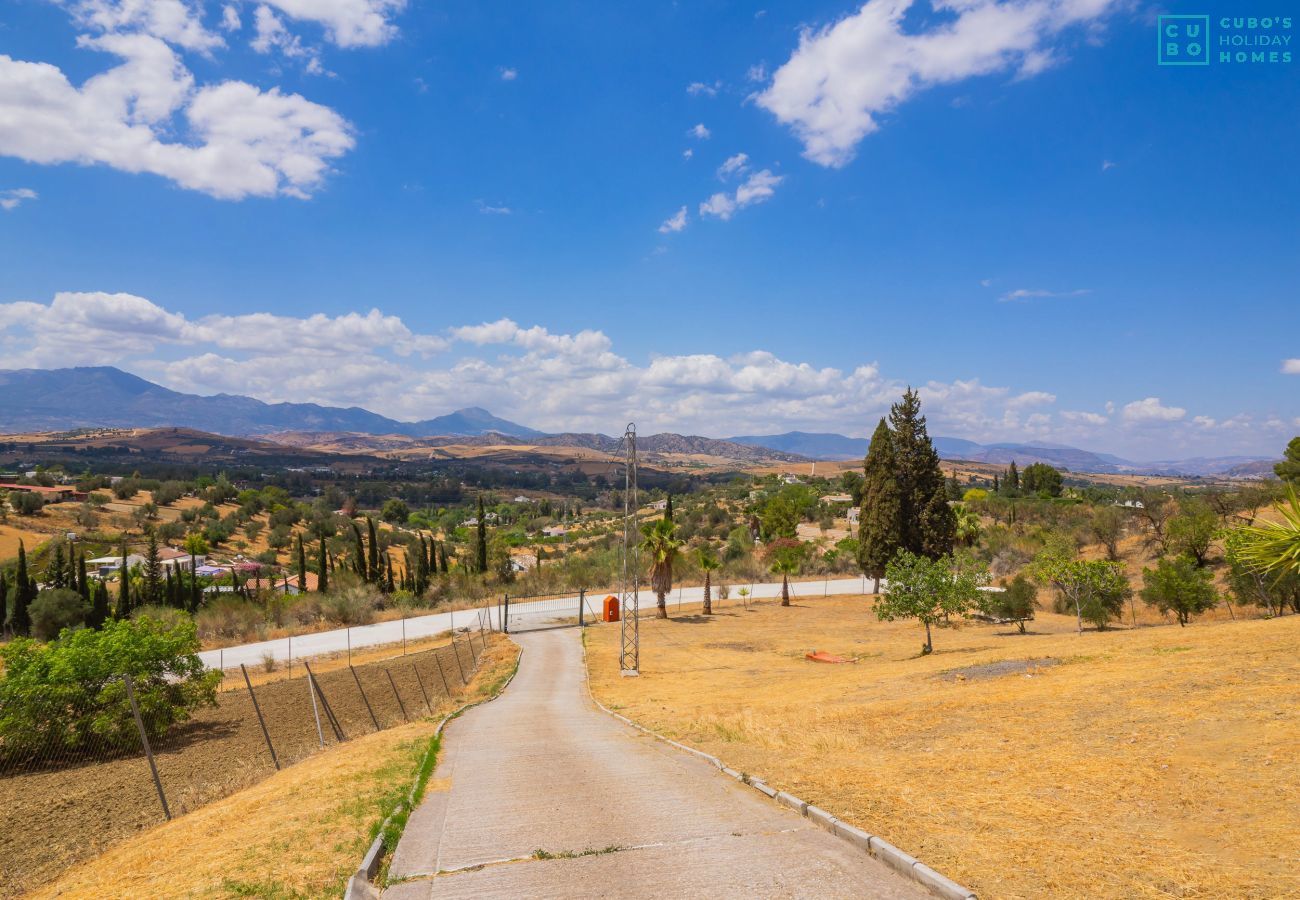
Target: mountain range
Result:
[[107, 397]]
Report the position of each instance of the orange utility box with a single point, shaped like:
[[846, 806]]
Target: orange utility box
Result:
[[611, 609]]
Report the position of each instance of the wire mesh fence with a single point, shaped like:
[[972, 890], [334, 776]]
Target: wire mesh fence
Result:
[[82, 767]]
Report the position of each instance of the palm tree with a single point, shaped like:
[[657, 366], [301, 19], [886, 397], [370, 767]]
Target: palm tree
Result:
[[785, 566], [660, 541], [1274, 547], [708, 563]]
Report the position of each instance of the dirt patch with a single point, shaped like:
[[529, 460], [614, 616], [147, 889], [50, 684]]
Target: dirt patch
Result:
[[998, 669], [55, 818]]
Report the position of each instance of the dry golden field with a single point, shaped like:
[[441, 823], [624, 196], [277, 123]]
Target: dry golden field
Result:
[[1153, 762]]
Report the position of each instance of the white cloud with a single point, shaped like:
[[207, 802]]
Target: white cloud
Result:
[[757, 188], [347, 23], [271, 34], [509, 74], [235, 140], [1204, 421], [174, 21], [1107, 164], [843, 77], [230, 20], [675, 222], [489, 209], [1151, 410], [734, 165], [14, 197], [1084, 418], [756, 72], [698, 88], [1023, 294], [687, 153], [700, 132], [986, 282], [1291, 367]]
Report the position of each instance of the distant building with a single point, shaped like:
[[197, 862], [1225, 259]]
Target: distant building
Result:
[[854, 514], [58, 494], [107, 565], [659, 505], [791, 478], [170, 557], [555, 531], [837, 498]]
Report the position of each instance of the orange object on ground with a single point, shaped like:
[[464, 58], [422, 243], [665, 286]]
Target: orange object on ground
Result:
[[819, 656], [611, 609]]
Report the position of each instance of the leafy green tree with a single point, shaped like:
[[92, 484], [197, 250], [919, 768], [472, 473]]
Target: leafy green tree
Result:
[[880, 525], [1014, 604], [659, 540], [1178, 585], [56, 609], [1041, 479], [1096, 589], [709, 563], [1193, 530], [784, 510], [1289, 468], [395, 510], [928, 590]]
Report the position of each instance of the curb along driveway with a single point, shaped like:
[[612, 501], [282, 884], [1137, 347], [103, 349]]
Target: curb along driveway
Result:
[[540, 794]]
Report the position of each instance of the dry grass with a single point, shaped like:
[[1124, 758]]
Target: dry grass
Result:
[[298, 834], [1156, 762]]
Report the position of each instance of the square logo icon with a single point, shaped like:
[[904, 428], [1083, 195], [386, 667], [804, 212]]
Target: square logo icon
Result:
[[1183, 41]]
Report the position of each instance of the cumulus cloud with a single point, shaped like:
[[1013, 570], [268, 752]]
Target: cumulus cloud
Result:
[[237, 140], [759, 187], [845, 76], [271, 34], [1291, 367], [347, 23], [674, 223], [1083, 417], [509, 74], [733, 165], [699, 88], [14, 197], [489, 209], [173, 21], [230, 19], [1151, 410], [700, 132]]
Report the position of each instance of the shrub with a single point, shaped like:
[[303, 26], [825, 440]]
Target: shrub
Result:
[[350, 606], [54, 610], [228, 616], [68, 693], [26, 503], [1015, 604]]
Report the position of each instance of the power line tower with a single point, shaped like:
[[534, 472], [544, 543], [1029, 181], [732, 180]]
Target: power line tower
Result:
[[629, 658]]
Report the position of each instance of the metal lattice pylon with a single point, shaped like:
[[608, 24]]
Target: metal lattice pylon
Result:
[[629, 658]]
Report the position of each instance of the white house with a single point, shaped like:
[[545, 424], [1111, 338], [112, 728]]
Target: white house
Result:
[[791, 478], [170, 557], [109, 564], [555, 531], [837, 498], [854, 514]]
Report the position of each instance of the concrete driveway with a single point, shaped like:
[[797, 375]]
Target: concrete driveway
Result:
[[540, 794]]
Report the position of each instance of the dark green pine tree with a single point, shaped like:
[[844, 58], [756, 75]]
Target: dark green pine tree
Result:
[[442, 552], [302, 566], [151, 572], [56, 574], [83, 582], [98, 606], [880, 529], [668, 508], [124, 589], [322, 568], [388, 566], [372, 566], [359, 562], [929, 525], [420, 576], [481, 547], [1012, 479], [996, 486], [20, 620]]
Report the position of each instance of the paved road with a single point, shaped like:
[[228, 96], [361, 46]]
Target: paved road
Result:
[[336, 641], [541, 768]]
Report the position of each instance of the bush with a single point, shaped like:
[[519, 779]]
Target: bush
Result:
[[26, 503], [1015, 604], [229, 616], [350, 606], [68, 693], [54, 610]]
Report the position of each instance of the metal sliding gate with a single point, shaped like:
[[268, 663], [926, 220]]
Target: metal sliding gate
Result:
[[537, 612]]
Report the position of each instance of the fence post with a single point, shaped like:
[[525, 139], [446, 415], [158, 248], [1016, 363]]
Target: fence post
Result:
[[315, 712], [505, 616], [324, 701], [349, 646], [420, 681], [582, 603], [459, 664], [260, 721], [290, 656], [400, 704], [144, 739], [438, 659], [364, 698], [403, 632]]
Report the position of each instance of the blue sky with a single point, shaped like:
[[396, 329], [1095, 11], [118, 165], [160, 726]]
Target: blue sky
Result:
[[707, 217]]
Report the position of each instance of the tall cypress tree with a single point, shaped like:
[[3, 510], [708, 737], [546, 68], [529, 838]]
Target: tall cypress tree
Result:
[[372, 565], [152, 571], [124, 588], [322, 568], [98, 606], [929, 526], [359, 563], [20, 620], [83, 582], [4, 602], [880, 528], [388, 565], [482, 549], [668, 508], [1012, 481], [56, 574], [302, 567]]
